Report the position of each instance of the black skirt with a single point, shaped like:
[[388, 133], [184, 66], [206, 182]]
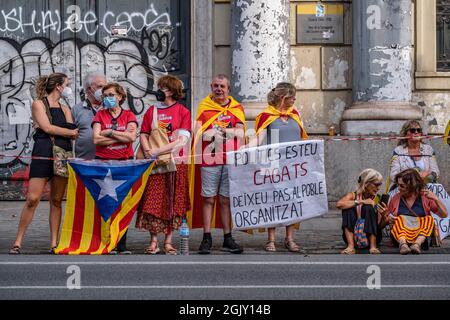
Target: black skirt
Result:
[[369, 214]]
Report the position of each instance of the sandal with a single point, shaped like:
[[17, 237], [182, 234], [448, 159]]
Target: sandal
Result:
[[15, 250], [291, 245], [374, 251], [152, 249], [348, 251], [169, 249], [415, 249], [404, 249], [270, 246], [52, 250]]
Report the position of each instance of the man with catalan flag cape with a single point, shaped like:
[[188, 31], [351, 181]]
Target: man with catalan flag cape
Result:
[[102, 198], [219, 128]]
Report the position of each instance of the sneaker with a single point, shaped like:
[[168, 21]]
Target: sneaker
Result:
[[113, 252], [205, 246], [123, 250], [229, 245]]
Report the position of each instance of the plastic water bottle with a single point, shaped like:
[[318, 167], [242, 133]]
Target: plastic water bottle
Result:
[[184, 238]]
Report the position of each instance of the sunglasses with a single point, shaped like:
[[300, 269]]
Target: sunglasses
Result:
[[378, 184], [114, 124], [415, 130]]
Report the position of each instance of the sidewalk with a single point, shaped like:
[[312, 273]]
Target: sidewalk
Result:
[[317, 236]]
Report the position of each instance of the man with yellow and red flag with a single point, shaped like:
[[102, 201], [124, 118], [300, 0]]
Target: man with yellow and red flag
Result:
[[219, 128]]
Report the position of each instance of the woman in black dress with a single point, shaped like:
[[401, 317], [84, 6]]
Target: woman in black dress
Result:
[[49, 89], [362, 204]]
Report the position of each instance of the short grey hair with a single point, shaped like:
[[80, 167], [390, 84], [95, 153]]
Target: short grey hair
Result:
[[222, 76], [89, 79]]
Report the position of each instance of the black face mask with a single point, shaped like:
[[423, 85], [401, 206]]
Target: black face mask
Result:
[[160, 95]]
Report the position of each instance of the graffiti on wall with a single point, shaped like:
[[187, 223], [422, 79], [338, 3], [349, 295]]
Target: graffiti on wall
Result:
[[78, 43]]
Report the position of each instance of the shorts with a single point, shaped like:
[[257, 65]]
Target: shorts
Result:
[[215, 180]]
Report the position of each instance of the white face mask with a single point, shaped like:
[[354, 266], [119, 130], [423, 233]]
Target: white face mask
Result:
[[98, 95], [67, 92]]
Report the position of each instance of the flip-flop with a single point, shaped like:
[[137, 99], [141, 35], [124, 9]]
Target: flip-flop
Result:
[[15, 250], [348, 251], [150, 250], [169, 250], [291, 245], [270, 246]]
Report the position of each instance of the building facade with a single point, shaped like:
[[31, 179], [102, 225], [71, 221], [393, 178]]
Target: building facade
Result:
[[362, 66]]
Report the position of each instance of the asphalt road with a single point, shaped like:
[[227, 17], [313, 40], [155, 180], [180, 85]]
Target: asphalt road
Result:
[[225, 277]]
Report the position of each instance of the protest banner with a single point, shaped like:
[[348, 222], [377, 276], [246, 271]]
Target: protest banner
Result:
[[277, 185], [439, 190]]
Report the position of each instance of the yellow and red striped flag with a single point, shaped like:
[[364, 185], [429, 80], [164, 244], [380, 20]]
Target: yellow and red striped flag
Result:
[[102, 198]]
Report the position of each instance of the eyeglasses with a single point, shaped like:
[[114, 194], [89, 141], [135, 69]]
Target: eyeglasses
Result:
[[415, 130], [114, 124]]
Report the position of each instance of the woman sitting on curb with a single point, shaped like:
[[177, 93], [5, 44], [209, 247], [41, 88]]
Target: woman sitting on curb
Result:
[[360, 219], [410, 211]]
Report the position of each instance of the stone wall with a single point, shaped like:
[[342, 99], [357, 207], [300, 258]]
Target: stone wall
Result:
[[344, 160]]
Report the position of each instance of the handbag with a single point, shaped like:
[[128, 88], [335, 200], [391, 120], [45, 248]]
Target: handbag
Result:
[[436, 237], [60, 156], [158, 138], [358, 233]]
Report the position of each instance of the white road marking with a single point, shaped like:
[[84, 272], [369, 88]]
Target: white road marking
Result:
[[163, 263], [229, 287]]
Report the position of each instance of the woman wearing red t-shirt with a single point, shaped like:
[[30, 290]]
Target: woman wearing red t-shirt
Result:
[[166, 197], [114, 131]]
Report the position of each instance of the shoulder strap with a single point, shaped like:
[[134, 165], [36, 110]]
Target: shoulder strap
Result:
[[359, 206], [49, 115], [409, 209], [155, 118], [47, 109]]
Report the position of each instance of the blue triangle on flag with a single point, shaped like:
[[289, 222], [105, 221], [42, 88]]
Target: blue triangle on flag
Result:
[[109, 182]]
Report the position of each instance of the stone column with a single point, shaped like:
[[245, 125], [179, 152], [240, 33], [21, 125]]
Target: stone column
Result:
[[382, 68], [260, 50], [202, 21]]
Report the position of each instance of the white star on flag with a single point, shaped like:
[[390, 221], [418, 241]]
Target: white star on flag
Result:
[[108, 186]]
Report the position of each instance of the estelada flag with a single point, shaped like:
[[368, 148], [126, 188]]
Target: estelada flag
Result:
[[102, 197]]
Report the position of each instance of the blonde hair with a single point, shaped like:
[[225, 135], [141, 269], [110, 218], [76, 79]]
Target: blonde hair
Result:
[[367, 176], [46, 84], [282, 90], [404, 131]]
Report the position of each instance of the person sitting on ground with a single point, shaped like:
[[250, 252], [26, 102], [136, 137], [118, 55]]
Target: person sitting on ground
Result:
[[361, 205], [411, 152], [410, 212]]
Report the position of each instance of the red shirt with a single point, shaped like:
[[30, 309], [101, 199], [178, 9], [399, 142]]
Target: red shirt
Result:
[[224, 121], [118, 150], [170, 118]]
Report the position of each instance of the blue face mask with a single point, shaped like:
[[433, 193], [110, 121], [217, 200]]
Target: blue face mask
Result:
[[109, 102]]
